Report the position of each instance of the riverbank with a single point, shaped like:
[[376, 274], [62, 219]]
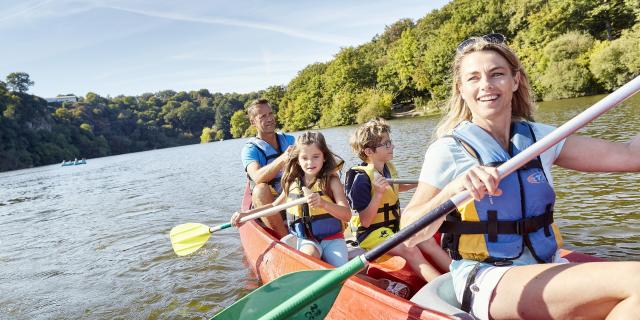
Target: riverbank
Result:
[[411, 111]]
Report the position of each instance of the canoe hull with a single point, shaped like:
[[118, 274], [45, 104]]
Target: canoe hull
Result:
[[269, 259]]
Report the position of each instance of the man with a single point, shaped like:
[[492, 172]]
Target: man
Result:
[[264, 157]]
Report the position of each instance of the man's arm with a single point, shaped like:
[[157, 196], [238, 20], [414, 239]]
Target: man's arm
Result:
[[265, 174]]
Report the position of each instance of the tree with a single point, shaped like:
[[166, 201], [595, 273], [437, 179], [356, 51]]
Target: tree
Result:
[[19, 82], [393, 32], [274, 94], [373, 104], [239, 123], [301, 105], [567, 74], [614, 63], [207, 135], [396, 76]]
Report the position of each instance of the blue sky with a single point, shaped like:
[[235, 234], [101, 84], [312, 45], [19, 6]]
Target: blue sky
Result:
[[132, 47]]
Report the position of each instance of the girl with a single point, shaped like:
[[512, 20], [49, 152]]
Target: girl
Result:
[[318, 225]]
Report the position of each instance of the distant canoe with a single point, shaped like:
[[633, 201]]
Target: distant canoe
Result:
[[73, 162]]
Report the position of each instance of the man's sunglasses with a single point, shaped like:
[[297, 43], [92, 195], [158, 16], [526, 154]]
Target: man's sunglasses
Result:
[[491, 37]]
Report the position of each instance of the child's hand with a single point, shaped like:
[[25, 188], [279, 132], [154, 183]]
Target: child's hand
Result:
[[235, 219], [314, 200], [380, 184]]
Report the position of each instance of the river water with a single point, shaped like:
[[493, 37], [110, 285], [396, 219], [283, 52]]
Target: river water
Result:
[[92, 241]]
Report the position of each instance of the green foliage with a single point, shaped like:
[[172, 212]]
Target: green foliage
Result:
[[206, 135], [342, 111], [250, 132], [566, 79], [239, 123], [614, 63], [349, 71], [274, 94], [570, 45], [373, 104], [19, 82], [219, 135], [396, 76], [567, 74], [87, 127], [302, 103]]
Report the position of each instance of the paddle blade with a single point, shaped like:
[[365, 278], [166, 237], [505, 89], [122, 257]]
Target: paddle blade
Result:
[[189, 237], [264, 299]]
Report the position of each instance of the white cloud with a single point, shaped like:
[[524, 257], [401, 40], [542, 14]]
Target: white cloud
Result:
[[292, 32]]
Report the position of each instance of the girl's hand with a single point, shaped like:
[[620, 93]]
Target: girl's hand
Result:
[[380, 184], [235, 219], [314, 200], [479, 181]]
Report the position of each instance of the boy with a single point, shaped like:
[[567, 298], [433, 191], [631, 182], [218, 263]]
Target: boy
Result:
[[377, 202]]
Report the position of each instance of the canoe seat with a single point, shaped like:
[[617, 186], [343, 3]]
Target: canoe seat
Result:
[[439, 295]]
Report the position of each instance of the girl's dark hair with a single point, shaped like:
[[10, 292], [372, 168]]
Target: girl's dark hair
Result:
[[292, 170]]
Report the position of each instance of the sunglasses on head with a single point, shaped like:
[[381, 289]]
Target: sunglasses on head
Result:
[[491, 37]]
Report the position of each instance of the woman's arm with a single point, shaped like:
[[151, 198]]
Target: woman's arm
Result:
[[596, 155], [479, 181]]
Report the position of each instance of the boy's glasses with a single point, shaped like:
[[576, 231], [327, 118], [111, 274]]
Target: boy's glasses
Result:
[[387, 145], [491, 37]]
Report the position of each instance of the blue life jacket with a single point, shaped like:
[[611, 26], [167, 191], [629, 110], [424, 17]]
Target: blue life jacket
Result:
[[306, 223], [497, 228], [269, 154]]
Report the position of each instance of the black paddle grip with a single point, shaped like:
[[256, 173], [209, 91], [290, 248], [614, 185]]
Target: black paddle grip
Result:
[[410, 230]]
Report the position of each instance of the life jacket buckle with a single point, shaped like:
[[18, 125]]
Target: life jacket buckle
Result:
[[502, 263], [520, 227]]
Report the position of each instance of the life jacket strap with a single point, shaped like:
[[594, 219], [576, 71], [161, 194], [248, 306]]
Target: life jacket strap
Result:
[[494, 227], [534, 163], [467, 295]]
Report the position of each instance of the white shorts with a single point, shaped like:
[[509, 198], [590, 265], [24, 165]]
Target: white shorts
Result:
[[485, 283], [482, 288]]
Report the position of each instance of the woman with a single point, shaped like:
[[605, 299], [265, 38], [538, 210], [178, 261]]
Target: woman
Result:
[[504, 243]]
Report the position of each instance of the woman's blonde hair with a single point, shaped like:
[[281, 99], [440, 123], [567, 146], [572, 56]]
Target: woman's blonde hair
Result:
[[522, 105], [292, 170], [368, 135]]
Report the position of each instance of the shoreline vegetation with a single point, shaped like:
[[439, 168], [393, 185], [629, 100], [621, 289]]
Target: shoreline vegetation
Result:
[[569, 48]]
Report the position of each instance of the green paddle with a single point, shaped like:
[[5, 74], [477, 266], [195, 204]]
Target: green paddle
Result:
[[189, 237], [310, 294]]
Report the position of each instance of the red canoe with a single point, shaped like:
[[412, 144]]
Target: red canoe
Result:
[[269, 258]]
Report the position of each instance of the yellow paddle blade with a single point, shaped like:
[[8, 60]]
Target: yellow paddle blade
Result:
[[189, 237]]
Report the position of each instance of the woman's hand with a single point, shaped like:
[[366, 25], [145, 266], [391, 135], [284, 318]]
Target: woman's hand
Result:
[[235, 219], [479, 181], [315, 201]]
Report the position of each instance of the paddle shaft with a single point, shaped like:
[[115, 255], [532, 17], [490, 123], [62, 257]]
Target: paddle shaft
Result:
[[512, 165], [263, 213], [402, 181]]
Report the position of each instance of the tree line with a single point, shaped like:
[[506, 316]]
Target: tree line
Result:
[[569, 48]]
